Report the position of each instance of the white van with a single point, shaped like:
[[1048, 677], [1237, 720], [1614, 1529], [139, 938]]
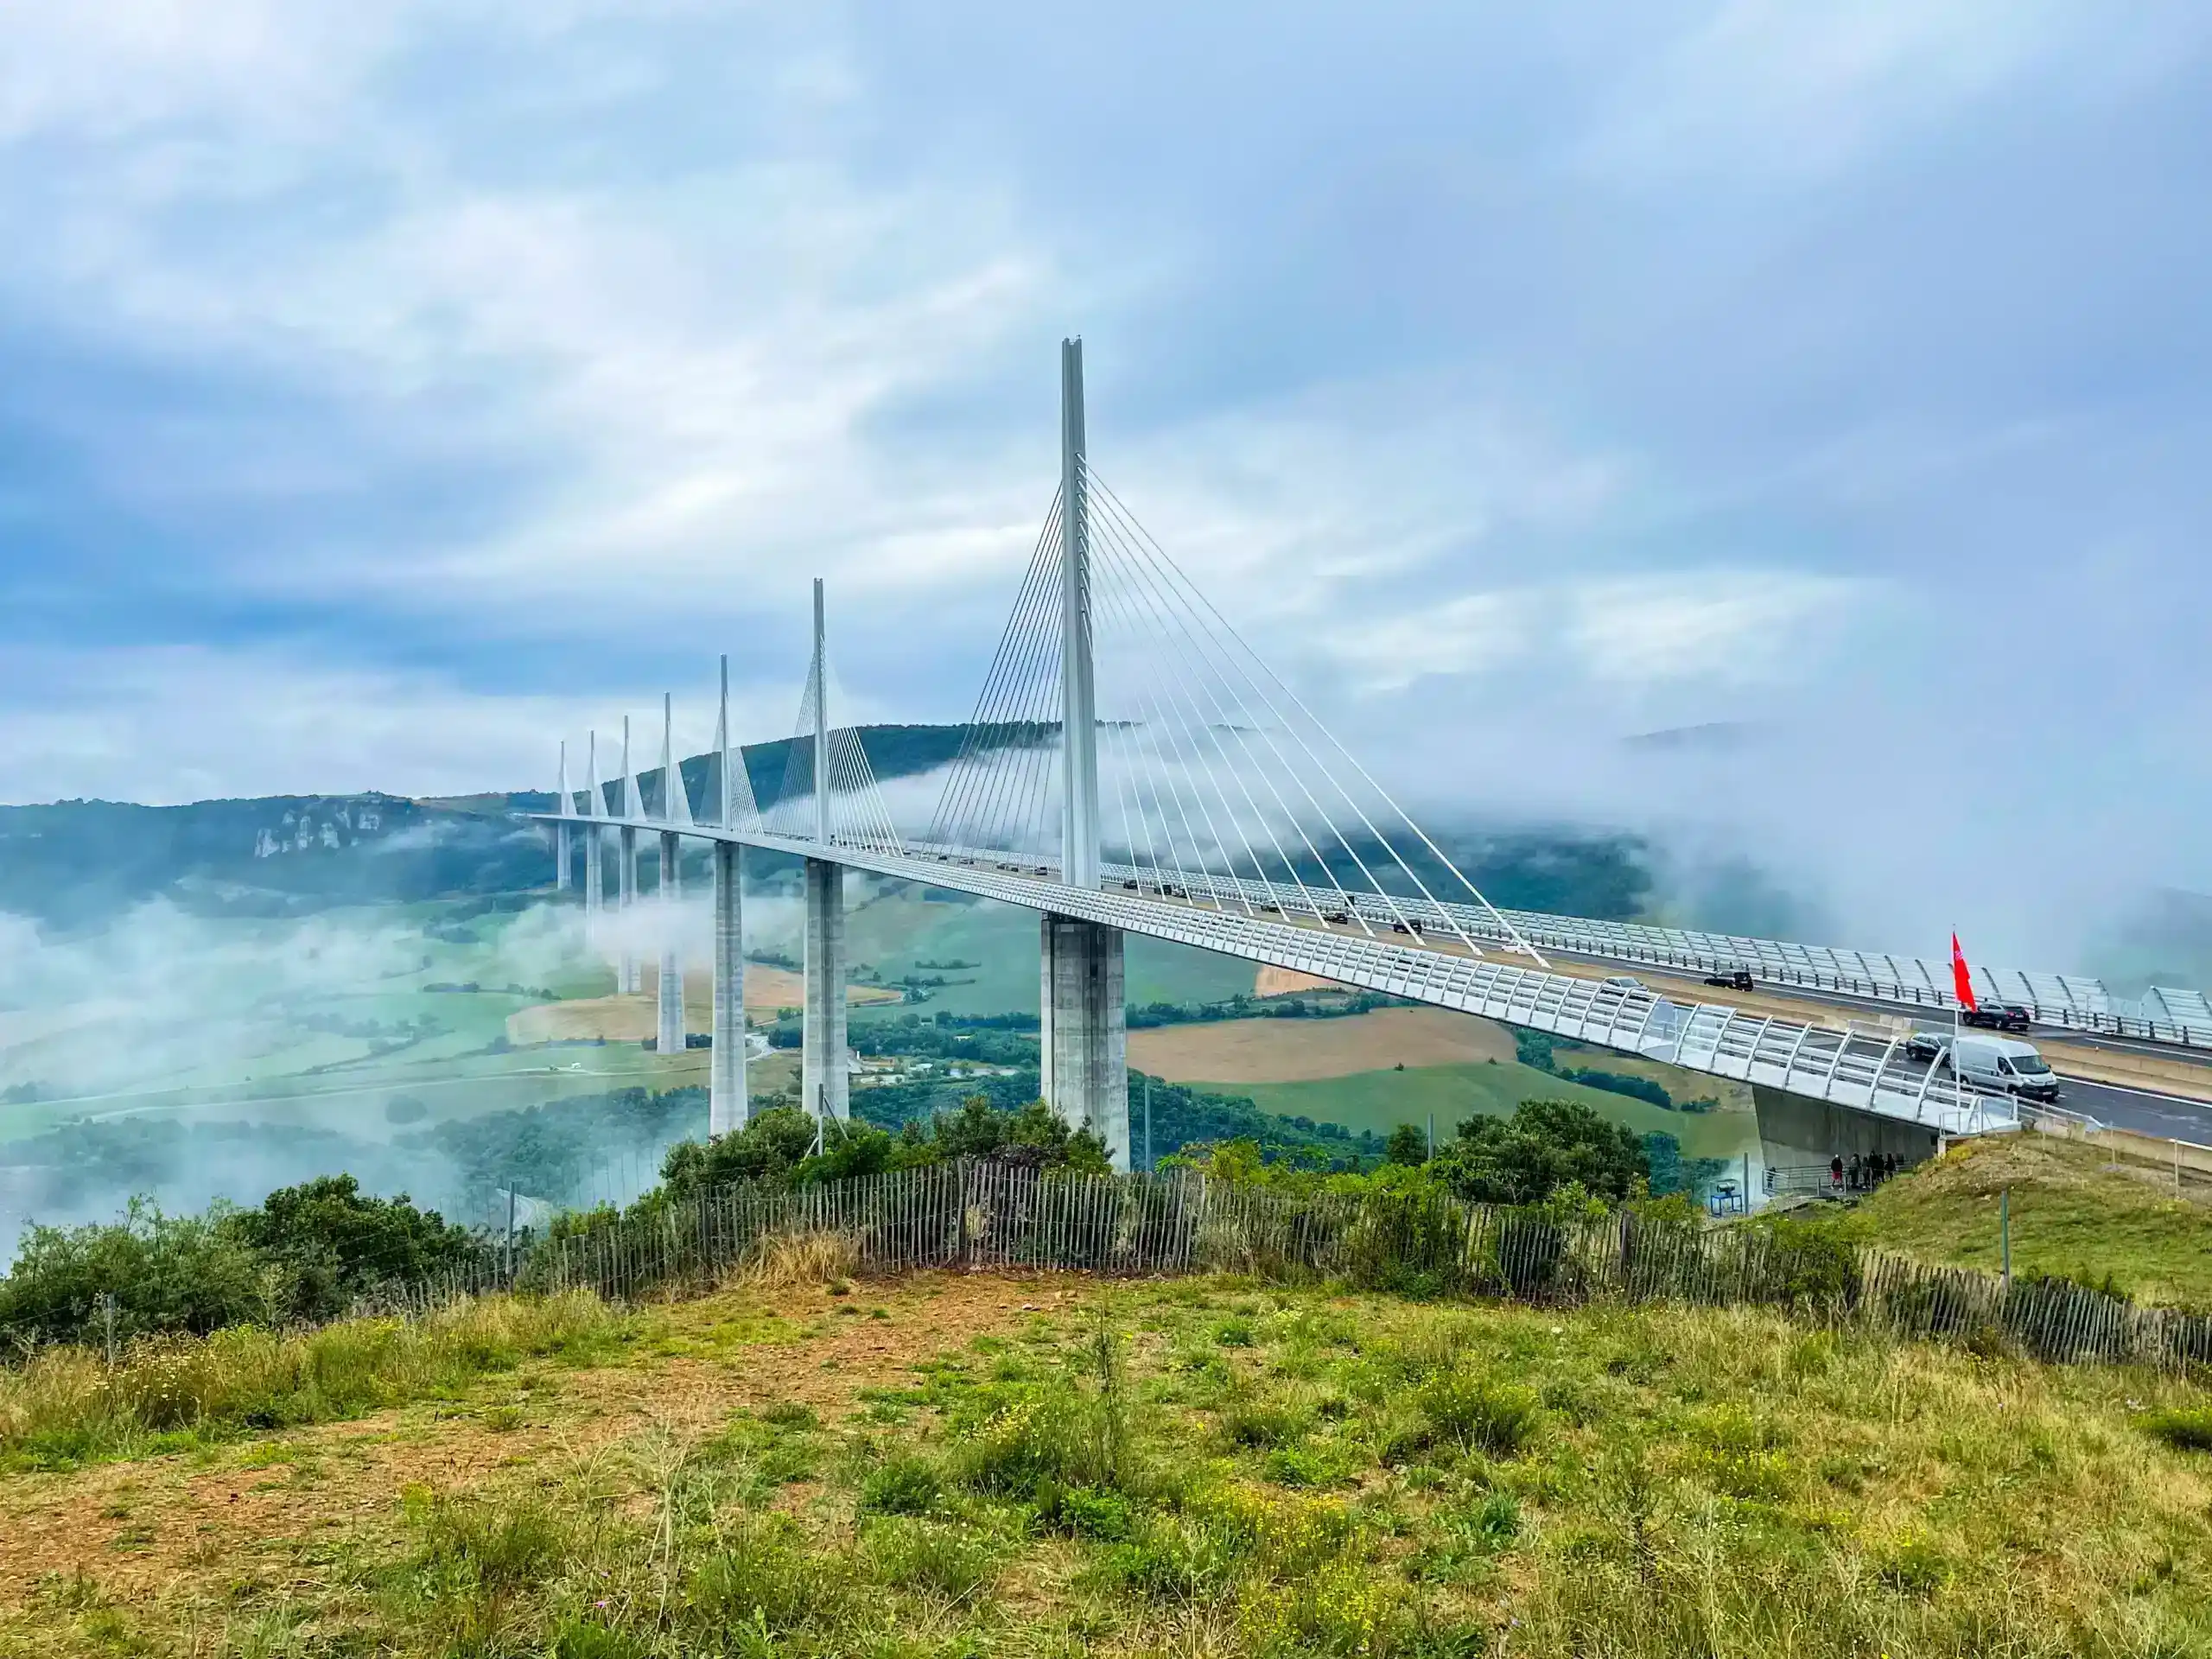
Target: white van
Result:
[[2004, 1065]]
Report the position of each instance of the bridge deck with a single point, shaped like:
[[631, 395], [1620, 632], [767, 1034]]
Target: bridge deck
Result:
[[1848, 1068]]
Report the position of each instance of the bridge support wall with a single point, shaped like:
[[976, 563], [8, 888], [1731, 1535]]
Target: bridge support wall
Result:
[[728, 1106], [1083, 1036], [560, 860], [1796, 1130], [625, 875], [670, 987], [822, 1072]]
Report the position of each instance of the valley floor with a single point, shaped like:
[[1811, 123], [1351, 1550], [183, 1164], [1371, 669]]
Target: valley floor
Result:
[[953, 1464]]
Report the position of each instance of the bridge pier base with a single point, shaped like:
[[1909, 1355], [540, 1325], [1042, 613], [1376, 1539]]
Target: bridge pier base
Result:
[[823, 1080], [1083, 1035], [670, 987], [625, 875], [728, 1107], [1797, 1131]]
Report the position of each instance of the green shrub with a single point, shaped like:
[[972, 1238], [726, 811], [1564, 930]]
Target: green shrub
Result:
[[764, 1579], [1473, 1414], [1086, 1512], [2185, 1430], [931, 1557], [469, 1545], [902, 1485]]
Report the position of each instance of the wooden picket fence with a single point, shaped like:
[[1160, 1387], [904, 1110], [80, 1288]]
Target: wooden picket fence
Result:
[[988, 1215]]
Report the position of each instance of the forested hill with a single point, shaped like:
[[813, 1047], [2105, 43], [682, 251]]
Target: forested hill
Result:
[[75, 863]]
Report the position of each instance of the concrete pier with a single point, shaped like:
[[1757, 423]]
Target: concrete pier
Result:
[[1083, 1036], [671, 965], [728, 1106], [625, 875], [823, 1079]]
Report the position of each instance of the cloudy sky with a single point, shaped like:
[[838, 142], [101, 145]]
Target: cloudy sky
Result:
[[390, 390]]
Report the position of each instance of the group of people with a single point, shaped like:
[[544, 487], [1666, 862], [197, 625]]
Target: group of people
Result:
[[1863, 1174]]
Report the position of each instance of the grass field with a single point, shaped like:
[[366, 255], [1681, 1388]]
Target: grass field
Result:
[[1380, 1101], [968, 1465], [1298, 1051], [899, 932], [2072, 1214]]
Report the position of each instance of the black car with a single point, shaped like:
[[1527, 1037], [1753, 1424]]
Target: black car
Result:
[[1925, 1045], [1997, 1016], [1736, 979]]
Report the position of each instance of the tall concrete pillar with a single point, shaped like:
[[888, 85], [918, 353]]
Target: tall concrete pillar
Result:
[[671, 965], [823, 1066], [626, 876], [1083, 1037], [728, 1106]]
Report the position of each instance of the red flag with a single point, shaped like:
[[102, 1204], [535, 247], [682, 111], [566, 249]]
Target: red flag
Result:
[[1961, 976]]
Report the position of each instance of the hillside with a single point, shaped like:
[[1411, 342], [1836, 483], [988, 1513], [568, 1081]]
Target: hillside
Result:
[[976, 1465], [2073, 1215]]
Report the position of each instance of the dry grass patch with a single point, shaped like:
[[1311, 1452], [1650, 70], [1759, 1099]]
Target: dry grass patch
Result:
[[1300, 1051]]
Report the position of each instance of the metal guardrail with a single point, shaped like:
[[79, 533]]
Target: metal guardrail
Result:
[[2065, 1001]]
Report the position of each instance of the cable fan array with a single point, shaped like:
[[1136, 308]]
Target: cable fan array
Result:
[[859, 817], [1216, 786]]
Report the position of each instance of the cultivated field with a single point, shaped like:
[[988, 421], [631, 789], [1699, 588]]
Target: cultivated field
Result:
[[978, 1464], [633, 1019], [1292, 1051]]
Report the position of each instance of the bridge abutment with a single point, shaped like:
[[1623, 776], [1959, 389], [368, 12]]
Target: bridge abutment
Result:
[[1797, 1131], [824, 1082], [670, 987], [726, 1103], [1083, 1048]]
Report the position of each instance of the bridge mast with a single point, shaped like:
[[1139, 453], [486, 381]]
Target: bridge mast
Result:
[[1078, 704], [1084, 1041]]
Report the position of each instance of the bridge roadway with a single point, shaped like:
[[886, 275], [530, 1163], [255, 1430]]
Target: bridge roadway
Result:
[[1864, 1072]]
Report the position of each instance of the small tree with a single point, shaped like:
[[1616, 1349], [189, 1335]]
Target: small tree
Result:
[[1543, 1147], [327, 1241], [1409, 1144]]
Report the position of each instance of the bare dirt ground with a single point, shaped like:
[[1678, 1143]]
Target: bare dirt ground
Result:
[[632, 1019], [1295, 1051], [270, 1508], [1281, 982]]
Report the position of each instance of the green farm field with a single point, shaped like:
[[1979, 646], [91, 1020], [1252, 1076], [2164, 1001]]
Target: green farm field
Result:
[[1380, 1101]]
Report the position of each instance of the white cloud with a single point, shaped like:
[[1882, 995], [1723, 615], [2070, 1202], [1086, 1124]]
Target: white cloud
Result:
[[1775, 89], [185, 723], [1737, 625], [1734, 625]]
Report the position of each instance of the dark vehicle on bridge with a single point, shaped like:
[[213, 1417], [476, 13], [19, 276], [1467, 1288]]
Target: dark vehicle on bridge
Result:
[[1736, 979], [1997, 1016], [1926, 1045]]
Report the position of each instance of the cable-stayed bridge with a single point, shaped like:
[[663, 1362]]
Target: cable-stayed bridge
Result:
[[1131, 765]]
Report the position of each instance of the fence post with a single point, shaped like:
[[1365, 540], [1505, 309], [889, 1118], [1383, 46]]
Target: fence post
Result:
[[107, 1319], [2005, 1233]]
